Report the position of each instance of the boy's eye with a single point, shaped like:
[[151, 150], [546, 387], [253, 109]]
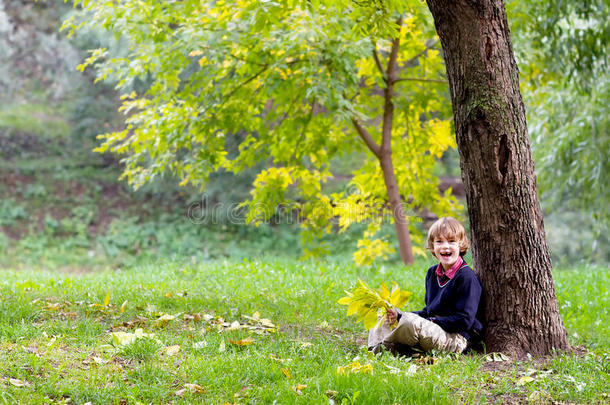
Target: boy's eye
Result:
[[441, 241]]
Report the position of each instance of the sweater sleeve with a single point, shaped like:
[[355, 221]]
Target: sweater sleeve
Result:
[[463, 315]]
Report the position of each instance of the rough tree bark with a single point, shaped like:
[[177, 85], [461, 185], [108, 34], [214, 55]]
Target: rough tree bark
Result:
[[509, 247]]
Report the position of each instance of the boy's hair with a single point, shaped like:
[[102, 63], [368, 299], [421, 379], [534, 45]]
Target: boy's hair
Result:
[[449, 228]]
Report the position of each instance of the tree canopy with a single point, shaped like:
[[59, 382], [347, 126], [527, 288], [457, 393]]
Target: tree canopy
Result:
[[294, 84]]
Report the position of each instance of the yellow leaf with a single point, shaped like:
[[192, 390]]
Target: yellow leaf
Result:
[[345, 300], [287, 373], [355, 368], [107, 299], [524, 380], [244, 342], [353, 308], [384, 292], [194, 388], [267, 323], [256, 315], [222, 347], [123, 338], [399, 298], [370, 320], [123, 306], [171, 350], [297, 388], [196, 53], [164, 320]]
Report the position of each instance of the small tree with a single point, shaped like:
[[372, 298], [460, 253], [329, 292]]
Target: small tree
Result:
[[302, 86]]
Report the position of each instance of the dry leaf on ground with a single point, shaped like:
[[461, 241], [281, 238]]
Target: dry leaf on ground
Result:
[[171, 350]]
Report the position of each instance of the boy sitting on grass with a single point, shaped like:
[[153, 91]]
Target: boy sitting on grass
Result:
[[451, 319]]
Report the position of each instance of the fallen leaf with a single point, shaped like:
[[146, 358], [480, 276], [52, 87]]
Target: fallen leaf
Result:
[[123, 338], [99, 360], [524, 380], [287, 373], [164, 320], [256, 315], [200, 345], [171, 350], [52, 306], [181, 392], [194, 388], [496, 357], [222, 347], [123, 306], [274, 357], [267, 323], [234, 326], [355, 368], [107, 299], [18, 383], [243, 342], [331, 393], [298, 388]]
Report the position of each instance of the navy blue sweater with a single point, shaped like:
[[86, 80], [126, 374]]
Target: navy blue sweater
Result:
[[456, 306]]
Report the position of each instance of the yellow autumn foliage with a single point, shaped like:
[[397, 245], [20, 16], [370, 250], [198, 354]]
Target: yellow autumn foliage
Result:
[[369, 304]]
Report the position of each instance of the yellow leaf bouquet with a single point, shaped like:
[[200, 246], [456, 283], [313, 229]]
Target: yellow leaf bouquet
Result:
[[369, 304]]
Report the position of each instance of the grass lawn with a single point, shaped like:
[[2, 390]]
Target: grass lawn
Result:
[[262, 331]]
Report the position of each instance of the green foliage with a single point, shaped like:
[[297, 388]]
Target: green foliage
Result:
[[224, 86], [10, 212], [563, 55], [565, 39]]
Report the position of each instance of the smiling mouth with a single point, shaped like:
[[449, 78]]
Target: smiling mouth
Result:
[[446, 254]]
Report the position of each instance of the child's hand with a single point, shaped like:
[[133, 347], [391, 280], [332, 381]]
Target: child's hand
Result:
[[391, 316]]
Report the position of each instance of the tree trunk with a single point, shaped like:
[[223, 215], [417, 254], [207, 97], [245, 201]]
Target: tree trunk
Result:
[[398, 212], [510, 253]]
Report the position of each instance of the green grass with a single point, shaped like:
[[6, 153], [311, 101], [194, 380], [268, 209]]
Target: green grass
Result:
[[56, 339]]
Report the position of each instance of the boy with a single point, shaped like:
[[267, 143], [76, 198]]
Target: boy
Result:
[[452, 316]]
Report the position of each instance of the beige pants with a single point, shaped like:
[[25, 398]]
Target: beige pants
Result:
[[413, 330]]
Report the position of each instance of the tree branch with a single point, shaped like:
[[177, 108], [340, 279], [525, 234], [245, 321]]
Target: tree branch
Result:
[[388, 93], [414, 58], [257, 74], [367, 138], [378, 63]]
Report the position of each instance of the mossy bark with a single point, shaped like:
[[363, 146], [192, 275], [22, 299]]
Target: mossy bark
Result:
[[510, 252]]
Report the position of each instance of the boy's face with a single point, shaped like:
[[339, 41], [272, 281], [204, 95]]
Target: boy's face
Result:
[[447, 251]]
